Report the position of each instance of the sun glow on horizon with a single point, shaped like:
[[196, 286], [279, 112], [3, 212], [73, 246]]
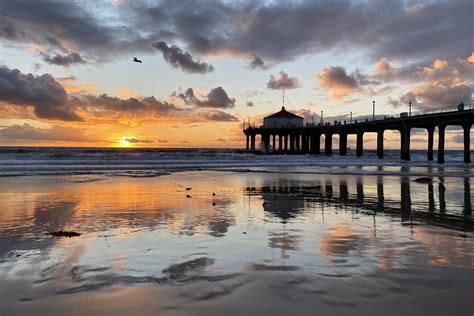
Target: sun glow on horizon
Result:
[[123, 142]]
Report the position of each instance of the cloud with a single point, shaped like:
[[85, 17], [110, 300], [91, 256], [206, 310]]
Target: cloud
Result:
[[177, 58], [36, 66], [135, 140], [308, 115], [257, 63], [440, 94], [443, 83], [64, 60], [385, 69], [273, 30], [283, 82], [27, 96], [253, 93], [216, 98], [285, 30], [129, 111], [60, 27], [249, 103], [47, 97], [220, 116], [27, 132], [67, 79], [337, 82]]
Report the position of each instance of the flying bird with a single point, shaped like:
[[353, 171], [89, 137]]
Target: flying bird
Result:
[[137, 60]]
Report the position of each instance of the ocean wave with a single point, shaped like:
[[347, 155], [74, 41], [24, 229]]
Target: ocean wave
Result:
[[22, 161]]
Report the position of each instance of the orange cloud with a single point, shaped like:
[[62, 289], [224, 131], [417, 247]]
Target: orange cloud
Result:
[[337, 82]]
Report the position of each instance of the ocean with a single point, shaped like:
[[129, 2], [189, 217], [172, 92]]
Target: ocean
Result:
[[147, 162]]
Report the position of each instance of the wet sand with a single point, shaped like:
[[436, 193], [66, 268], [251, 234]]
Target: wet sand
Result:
[[235, 243]]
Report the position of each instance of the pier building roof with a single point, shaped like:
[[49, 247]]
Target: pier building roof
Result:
[[283, 113]]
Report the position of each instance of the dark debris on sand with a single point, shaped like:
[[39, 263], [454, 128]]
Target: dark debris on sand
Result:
[[64, 233]]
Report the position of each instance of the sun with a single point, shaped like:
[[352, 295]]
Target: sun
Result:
[[124, 143]]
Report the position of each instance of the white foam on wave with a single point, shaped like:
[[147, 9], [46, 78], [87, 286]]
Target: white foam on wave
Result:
[[155, 162]]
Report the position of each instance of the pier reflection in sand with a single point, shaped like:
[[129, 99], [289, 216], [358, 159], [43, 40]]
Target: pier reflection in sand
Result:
[[231, 231]]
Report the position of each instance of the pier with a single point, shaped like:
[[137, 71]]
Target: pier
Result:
[[307, 139]]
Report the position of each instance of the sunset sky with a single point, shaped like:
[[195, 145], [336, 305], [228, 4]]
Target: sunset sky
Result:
[[67, 77]]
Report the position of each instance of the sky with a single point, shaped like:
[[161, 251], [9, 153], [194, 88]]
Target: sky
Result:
[[67, 75]]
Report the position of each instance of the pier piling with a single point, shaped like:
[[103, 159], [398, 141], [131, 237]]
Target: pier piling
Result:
[[430, 142], [342, 144], [380, 143], [328, 144], [360, 144], [467, 142], [441, 134]]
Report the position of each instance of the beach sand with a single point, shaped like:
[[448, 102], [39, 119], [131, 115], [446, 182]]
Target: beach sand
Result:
[[214, 243]]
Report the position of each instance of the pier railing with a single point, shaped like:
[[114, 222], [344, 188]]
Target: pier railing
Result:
[[370, 118]]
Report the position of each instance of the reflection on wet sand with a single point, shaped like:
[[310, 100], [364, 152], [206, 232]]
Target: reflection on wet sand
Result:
[[301, 238], [287, 200]]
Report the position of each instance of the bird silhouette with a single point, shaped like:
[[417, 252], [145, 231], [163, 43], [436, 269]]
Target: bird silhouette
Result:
[[137, 60]]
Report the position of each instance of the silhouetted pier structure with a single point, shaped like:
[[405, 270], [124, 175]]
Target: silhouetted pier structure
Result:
[[302, 140]]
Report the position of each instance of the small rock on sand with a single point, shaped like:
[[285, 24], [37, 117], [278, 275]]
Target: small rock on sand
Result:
[[423, 180]]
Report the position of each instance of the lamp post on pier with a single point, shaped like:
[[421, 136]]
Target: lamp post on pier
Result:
[[373, 110]]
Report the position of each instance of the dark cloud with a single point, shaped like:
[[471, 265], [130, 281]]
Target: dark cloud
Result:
[[178, 58], [249, 103], [216, 98], [135, 140], [257, 63], [64, 60], [282, 31], [274, 30], [44, 94], [36, 66], [283, 82], [104, 103], [220, 116], [70, 78], [17, 133]]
